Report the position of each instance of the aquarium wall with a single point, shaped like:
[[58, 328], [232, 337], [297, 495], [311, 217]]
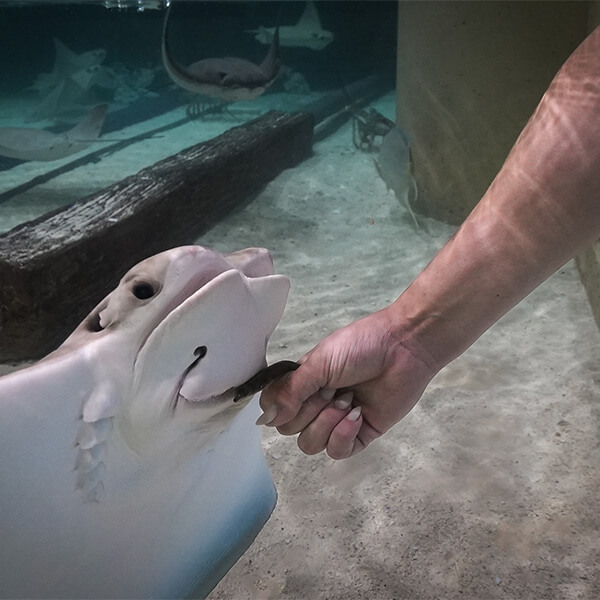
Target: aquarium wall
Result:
[[588, 262], [469, 75]]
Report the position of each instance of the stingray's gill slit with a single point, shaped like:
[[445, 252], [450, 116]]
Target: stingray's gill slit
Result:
[[199, 353]]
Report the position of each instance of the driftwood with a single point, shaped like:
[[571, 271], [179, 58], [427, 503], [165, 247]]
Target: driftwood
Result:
[[55, 269]]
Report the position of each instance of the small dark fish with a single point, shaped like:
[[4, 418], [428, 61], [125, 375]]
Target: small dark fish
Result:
[[263, 378]]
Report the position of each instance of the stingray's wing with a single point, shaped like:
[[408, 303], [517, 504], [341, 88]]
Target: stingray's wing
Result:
[[40, 409], [69, 62], [26, 143], [90, 127], [309, 20], [39, 418], [37, 144]]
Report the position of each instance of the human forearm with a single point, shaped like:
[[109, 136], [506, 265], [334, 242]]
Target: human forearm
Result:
[[542, 208]]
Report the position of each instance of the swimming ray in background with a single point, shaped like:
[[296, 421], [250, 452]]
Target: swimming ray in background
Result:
[[74, 94], [394, 167], [27, 143], [126, 468], [306, 33], [228, 78], [67, 63], [70, 88]]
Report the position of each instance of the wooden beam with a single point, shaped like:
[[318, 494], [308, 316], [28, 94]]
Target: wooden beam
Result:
[[55, 269]]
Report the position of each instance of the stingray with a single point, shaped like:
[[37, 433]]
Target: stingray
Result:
[[70, 86], [27, 143], [126, 468], [229, 78], [307, 32], [66, 64], [74, 93], [394, 167]]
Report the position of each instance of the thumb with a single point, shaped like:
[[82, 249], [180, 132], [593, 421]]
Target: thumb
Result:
[[282, 400]]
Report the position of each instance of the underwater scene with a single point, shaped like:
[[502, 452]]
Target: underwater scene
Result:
[[182, 180], [69, 59]]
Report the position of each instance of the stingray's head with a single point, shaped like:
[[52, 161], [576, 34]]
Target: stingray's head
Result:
[[196, 323], [319, 39]]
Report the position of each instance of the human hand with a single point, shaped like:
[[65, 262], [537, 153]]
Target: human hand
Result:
[[350, 389]]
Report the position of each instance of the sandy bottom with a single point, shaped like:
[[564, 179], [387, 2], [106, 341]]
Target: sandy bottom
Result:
[[489, 488]]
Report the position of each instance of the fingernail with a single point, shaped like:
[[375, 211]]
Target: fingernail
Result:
[[269, 415], [327, 394], [344, 401], [354, 414]]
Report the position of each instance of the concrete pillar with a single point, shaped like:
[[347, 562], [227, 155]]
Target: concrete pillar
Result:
[[469, 75]]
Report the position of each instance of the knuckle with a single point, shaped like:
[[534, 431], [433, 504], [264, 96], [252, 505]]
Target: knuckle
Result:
[[309, 447], [287, 409], [289, 429], [337, 453]]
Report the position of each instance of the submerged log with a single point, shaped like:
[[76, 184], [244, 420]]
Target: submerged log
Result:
[[55, 269]]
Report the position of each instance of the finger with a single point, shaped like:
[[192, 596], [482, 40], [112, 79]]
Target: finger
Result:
[[343, 440], [308, 411], [315, 436], [282, 400], [311, 408]]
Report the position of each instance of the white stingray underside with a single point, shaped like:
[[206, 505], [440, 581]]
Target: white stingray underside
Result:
[[150, 500]]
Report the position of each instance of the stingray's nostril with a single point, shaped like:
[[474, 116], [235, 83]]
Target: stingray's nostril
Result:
[[92, 323], [200, 351]]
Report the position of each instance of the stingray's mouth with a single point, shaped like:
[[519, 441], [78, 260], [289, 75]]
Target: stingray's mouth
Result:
[[230, 395], [224, 398], [255, 384]]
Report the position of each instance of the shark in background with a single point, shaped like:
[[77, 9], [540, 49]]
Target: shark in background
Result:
[[126, 468], [306, 33]]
